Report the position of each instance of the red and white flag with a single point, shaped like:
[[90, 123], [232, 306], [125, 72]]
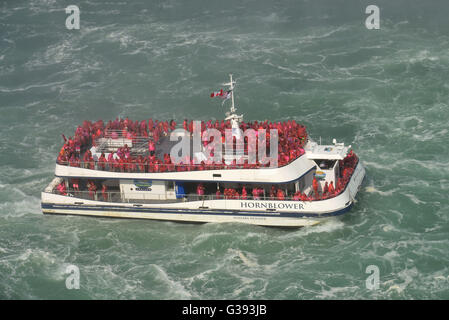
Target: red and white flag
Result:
[[226, 95], [217, 94]]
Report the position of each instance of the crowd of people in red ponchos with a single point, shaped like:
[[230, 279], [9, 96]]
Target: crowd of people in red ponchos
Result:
[[292, 138], [91, 187], [346, 165], [76, 150]]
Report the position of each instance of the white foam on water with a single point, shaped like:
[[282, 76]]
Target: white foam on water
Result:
[[336, 292], [281, 51], [377, 165], [372, 189], [54, 54], [431, 165], [205, 237], [441, 278], [248, 261], [122, 36], [404, 162], [176, 289], [273, 18], [328, 226], [413, 198], [246, 289], [406, 277], [426, 135], [95, 276], [423, 55], [51, 85], [34, 262], [414, 183], [389, 228], [320, 35], [247, 278], [18, 208]]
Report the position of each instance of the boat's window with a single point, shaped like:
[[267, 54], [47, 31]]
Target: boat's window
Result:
[[325, 164], [170, 185]]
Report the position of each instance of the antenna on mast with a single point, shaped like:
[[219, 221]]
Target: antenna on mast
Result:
[[231, 115]]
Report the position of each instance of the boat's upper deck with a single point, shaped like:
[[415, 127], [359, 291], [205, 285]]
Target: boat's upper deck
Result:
[[316, 151], [145, 147]]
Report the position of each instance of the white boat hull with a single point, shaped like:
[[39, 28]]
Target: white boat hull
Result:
[[257, 212]]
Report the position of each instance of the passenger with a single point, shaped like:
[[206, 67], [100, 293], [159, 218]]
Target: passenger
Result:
[[156, 135], [273, 192], [76, 162], [200, 191], [331, 188], [104, 190], [75, 185], [92, 189], [102, 162], [86, 159], [140, 163], [170, 165], [256, 193], [91, 163], [116, 164], [132, 167], [261, 192], [62, 159], [326, 188], [244, 193], [122, 165], [315, 185], [62, 189], [151, 147], [77, 146], [280, 194], [120, 153], [297, 196], [218, 194], [172, 125]]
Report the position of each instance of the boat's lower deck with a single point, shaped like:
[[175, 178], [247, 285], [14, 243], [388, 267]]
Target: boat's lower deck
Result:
[[261, 211]]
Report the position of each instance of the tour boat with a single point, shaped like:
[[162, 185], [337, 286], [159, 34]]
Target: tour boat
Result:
[[138, 169]]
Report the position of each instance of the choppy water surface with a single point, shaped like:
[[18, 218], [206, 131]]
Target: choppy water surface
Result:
[[384, 91]]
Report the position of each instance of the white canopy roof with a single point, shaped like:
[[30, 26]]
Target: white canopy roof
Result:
[[338, 151]]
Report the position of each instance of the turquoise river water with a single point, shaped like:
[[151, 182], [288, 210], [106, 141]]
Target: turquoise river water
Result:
[[385, 92]]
